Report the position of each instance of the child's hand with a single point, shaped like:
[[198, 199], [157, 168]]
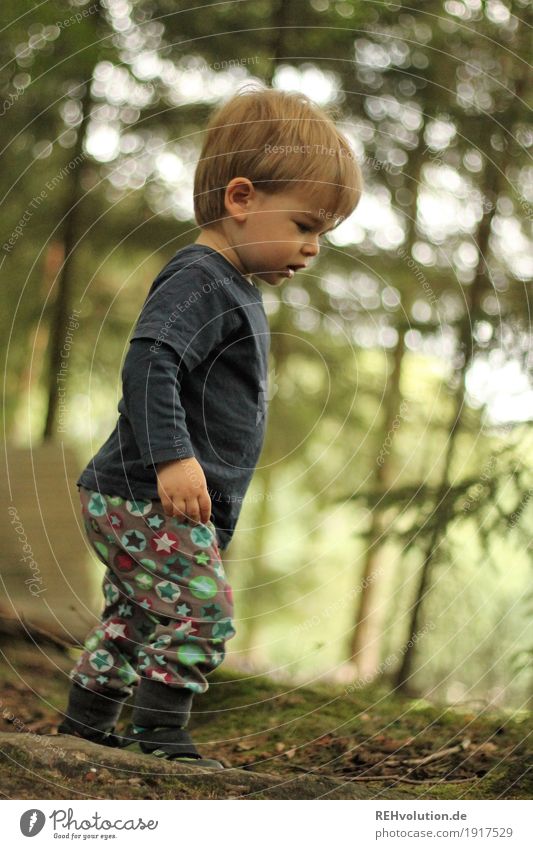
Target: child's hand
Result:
[[182, 488]]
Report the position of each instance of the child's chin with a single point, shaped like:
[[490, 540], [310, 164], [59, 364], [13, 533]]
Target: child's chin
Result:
[[273, 278]]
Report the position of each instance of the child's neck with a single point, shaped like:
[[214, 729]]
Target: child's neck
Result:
[[218, 242]]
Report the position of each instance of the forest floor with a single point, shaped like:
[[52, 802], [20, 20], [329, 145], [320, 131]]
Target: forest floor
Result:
[[276, 742]]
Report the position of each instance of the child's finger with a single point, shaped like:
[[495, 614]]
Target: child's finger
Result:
[[204, 502], [166, 502], [179, 508], [193, 510]]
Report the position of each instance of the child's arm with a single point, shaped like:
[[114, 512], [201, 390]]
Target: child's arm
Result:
[[151, 384], [185, 316]]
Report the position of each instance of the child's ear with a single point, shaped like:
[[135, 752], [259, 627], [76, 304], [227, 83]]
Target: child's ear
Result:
[[240, 193]]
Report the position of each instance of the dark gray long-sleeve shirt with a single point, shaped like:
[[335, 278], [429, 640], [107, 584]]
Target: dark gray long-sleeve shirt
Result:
[[194, 384]]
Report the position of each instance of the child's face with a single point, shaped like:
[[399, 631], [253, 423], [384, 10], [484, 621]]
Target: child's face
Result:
[[279, 234]]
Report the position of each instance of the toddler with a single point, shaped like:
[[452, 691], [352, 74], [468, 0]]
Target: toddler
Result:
[[161, 498]]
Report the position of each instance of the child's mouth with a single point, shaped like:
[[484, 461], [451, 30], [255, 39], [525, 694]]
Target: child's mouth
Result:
[[291, 270]]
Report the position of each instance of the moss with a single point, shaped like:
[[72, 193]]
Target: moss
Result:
[[265, 726]]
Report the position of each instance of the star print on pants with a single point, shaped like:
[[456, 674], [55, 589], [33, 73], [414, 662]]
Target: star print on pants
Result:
[[166, 542], [201, 558], [159, 676], [183, 628], [184, 572], [134, 541], [101, 660], [97, 505], [223, 629], [143, 660], [155, 521], [116, 630], [212, 611], [194, 628], [168, 591], [201, 536], [115, 520], [162, 642]]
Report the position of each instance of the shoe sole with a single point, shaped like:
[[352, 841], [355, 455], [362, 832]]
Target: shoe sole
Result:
[[206, 763]]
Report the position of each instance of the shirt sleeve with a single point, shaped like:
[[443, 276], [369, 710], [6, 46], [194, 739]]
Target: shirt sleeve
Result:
[[151, 386], [188, 310]]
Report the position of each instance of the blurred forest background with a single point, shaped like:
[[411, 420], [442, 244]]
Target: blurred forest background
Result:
[[386, 534]]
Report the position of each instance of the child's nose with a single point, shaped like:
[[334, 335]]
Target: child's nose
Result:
[[311, 248]]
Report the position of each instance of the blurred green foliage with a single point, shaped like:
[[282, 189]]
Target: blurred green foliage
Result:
[[437, 259]]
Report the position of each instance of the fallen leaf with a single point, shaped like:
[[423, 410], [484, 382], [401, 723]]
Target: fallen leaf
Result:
[[484, 749], [324, 741], [105, 775]]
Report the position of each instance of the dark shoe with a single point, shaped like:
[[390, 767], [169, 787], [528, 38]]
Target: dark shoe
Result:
[[168, 744], [103, 738]]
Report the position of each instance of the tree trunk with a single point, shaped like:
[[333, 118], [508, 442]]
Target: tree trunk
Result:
[[479, 286], [260, 573], [364, 646], [264, 514], [63, 299], [279, 19]]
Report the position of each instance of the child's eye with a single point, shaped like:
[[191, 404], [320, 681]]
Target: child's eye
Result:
[[303, 227]]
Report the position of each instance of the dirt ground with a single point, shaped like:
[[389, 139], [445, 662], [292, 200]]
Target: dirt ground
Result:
[[275, 742]]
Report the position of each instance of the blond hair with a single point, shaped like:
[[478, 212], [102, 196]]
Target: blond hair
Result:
[[280, 141]]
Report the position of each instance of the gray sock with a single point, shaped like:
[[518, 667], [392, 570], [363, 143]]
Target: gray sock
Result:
[[89, 711], [157, 704]]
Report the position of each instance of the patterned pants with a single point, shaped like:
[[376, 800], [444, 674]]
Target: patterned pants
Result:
[[168, 606]]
